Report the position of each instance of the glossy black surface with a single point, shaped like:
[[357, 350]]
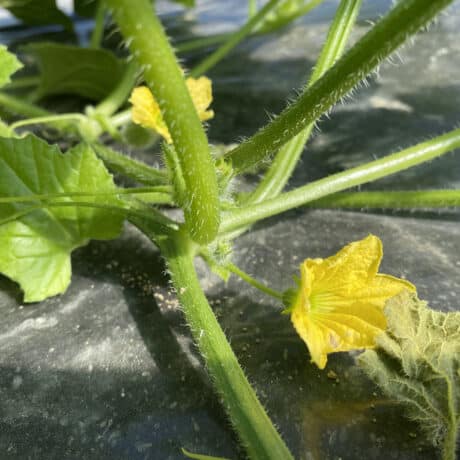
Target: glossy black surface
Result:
[[109, 370]]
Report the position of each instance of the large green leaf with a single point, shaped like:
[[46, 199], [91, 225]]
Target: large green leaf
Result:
[[37, 12], [8, 65], [417, 363], [67, 69], [35, 247]]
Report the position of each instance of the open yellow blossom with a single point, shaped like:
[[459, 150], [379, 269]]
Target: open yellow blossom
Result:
[[146, 111], [339, 304]]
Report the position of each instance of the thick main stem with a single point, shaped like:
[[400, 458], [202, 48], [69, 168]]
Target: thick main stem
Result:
[[247, 415], [150, 47]]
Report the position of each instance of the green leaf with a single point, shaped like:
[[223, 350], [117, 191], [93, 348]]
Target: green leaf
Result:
[[200, 456], [417, 363], [37, 12], [35, 248], [8, 65], [67, 69]]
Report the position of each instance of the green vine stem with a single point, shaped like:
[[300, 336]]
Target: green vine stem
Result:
[[129, 167], [337, 182], [249, 419], [287, 157], [404, 20], [150, 47], [120, 93], [391, 199], [21, 107], [23, 82], [162, 189], [99, 23], [253, 282], [78, 118], [233, 40]]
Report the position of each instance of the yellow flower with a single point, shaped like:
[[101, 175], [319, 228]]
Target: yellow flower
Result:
[[146, 111], [339, 304]]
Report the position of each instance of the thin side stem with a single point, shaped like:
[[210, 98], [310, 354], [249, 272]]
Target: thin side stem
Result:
[[120, 93], [21, 107], [233, 40], [129, 167], [287, 157], [52, 196], [404, 20], [252, 8], [202, 42], [23, 82], [121, 118], [390, 199], [253, 282], [337, 182], [99, 23], [136, 210], [296, 13], [141, 28], [247, 415], [50, 119]]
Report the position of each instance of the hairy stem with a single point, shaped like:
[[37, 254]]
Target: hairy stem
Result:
[[337, 182], [129, 167], [150, 47], [98, 31], [121, 191], [253, 282], [233, 40], [287, 157], [391, 199], [120, 93], [247, 415], [23, 108], [404, 20]]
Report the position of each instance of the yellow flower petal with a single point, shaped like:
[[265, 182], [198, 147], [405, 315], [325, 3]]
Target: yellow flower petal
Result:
[[339, 304], [351, 267], [200, 90], [146, 111]]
